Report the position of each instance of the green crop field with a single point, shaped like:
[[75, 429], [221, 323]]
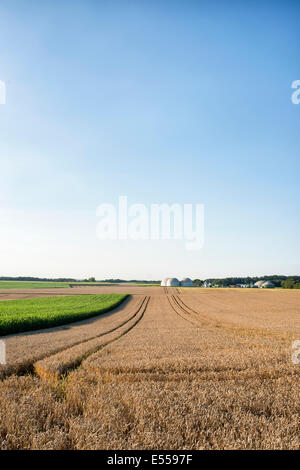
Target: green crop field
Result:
[[31, 284], [32, 314], [48, 284]]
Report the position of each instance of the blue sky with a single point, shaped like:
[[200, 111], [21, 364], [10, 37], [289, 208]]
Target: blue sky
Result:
[[162, 101]]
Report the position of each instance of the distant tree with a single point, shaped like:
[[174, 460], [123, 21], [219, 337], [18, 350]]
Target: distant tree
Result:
[[91, 279], [288, 284]]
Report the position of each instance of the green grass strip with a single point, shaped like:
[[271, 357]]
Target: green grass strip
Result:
[[17, 316], [32, 284]]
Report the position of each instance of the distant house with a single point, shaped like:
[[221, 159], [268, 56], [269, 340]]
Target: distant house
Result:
[[206, 284]]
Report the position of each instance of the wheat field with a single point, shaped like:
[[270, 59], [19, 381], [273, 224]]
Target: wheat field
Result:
[[182, 369]]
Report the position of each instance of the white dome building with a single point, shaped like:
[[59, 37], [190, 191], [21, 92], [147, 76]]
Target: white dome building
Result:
[[172, 282], [259, 283], [268, 285], [164, 281], [186, 282]]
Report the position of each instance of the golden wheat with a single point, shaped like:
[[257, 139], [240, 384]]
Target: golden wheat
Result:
[[200, 370]]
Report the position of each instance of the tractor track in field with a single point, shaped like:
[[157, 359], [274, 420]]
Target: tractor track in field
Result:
[[54, 366], [181, 310], [186, 307], [27, 366], [189, 314]]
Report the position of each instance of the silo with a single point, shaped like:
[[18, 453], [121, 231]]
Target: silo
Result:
[[259, 283], [186, 282], [268, 285], [172, 282]]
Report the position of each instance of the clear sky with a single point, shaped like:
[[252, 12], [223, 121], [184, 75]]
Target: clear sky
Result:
[[162, 101]]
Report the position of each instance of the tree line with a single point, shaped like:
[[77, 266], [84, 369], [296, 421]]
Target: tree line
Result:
[[70, 279], [45, 279], [286, 282], [291, 283]]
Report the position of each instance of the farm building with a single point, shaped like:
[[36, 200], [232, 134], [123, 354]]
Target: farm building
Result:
[[186, 282], [207, 284], [267, 285], [259, 283], [172, 282], [264, 284]]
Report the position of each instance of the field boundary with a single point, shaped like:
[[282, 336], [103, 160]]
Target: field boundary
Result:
[[56, 365], [27, 366]]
